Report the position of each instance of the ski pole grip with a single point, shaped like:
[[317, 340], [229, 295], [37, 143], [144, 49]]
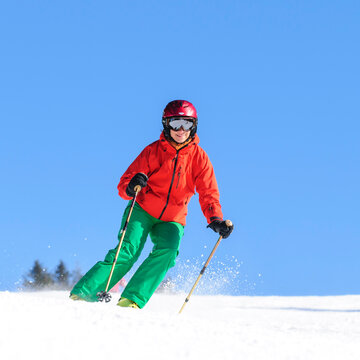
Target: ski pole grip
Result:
[[137, 188], [228, 223]]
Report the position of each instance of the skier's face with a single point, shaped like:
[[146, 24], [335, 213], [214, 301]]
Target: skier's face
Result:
[[180, 136]]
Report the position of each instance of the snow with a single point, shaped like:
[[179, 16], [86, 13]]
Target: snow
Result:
[[47, 325]]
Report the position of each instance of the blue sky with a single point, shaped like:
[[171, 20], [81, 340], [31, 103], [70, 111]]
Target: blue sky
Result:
[[276, 85]]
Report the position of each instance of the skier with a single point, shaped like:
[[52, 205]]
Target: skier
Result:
[[168, 171]]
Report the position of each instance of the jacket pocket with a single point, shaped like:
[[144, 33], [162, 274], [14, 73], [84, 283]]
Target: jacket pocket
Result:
[[178, 177]]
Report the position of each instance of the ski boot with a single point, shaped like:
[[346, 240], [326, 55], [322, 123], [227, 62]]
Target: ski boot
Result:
[[124, 302], [75, 297]]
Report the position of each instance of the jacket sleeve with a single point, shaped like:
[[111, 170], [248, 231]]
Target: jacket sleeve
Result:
[[140, 164], [207, 188]]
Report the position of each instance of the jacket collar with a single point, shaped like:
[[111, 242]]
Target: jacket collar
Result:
[[168, 147]]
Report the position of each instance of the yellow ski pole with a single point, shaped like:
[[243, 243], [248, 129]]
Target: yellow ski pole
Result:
[[105, 295], [228, 223]]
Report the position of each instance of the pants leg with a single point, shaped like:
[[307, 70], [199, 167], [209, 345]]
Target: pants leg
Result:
[[166, 238], [96, 278]]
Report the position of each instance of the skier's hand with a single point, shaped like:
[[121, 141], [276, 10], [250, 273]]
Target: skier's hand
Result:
[[138, 179], [221, 227]]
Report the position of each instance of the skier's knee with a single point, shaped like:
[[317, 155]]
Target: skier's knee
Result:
[[173, 257]]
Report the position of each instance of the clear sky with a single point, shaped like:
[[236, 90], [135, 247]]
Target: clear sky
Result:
[[277, 88]]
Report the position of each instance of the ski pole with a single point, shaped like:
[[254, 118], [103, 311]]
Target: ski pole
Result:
[[228, 223], [105, 295]]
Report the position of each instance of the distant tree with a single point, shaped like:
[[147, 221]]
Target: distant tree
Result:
[[76, 275], [62, 276], [38, 277]]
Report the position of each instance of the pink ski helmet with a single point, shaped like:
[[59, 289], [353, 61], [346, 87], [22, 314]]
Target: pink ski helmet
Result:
[[182, 109]]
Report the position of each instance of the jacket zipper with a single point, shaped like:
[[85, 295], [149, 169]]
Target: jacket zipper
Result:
[[171, 184], [172, 181]]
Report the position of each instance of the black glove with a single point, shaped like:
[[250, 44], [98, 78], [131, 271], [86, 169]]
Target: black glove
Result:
[[138, 179], [220, 227]]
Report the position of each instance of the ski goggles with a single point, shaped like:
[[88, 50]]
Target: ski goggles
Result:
[[178, 123]]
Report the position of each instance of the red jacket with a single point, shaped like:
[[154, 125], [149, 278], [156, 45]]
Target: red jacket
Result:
[[173, 177]]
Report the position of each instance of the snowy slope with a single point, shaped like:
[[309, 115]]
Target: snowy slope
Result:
[[47, 325]]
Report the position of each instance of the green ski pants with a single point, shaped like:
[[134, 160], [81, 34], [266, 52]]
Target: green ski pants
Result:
[[166, 238]]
